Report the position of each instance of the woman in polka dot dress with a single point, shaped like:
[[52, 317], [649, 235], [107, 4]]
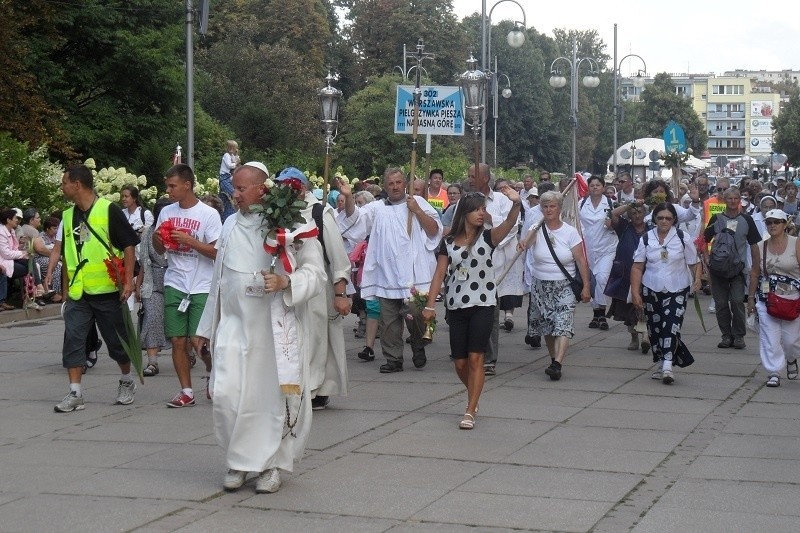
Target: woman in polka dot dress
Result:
[[465, 266]]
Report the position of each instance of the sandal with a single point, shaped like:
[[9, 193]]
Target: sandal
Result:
[[468, 422], [791, 369], [150, 370]]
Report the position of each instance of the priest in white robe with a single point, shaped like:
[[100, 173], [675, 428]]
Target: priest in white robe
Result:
[[328, 358], [258, 326], [404, 233]]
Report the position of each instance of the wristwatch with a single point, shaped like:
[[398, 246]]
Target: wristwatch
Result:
[[341, 295]]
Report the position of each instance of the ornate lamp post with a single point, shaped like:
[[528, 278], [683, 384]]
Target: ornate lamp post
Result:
[[515, 39], [329, 117], [638, 82], [506, 92], [557, 80], [473, 86]]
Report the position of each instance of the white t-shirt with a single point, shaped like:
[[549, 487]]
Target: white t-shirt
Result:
[[187, 270], [564, 240], [135, 218]]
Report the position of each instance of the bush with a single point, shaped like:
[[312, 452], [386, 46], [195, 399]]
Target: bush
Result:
[[29, 178]]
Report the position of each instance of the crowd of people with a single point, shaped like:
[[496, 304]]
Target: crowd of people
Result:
[[269, 333]]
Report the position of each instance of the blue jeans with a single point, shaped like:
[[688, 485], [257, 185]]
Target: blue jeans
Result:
[[20, 269]]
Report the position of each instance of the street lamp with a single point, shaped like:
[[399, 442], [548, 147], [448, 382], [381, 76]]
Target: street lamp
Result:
[[506, 92], [329, 117], [473, 86], [557, 80], [638, 82], [515, 39]]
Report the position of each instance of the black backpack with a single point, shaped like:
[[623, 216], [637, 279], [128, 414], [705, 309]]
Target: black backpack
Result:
[[725, 260]]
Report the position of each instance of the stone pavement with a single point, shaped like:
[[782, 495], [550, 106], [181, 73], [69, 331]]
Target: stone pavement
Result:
[[605, 449]]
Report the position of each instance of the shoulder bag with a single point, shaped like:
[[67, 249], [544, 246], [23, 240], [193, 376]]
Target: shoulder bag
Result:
[[778, 306], [575, 282]]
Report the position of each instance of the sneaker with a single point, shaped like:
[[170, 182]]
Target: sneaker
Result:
[[658, 374], [389, 368], [726, 342], [318, 403], [712, 308], [181, 400], [667, 377], [738, 343], [367, 354], [554, 371], [489, 370], [774, 381], [595, 323], [71, 402], [150, 370], [234, 479], [125, 392], [269, 481]]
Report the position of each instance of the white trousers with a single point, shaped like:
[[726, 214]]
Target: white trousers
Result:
[[600, 266], [779, 340]]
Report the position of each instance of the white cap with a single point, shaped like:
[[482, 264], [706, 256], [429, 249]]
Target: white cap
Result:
[[18, 211], [778, 214], [260, 166]]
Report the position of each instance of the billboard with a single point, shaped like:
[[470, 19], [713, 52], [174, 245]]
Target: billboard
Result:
[[760, 145], [761, 108], [760, 126], [441, 110]]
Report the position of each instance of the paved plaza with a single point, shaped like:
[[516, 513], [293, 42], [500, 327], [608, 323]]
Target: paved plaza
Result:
[[606, 449]]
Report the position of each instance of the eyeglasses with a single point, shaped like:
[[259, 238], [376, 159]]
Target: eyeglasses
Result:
[[772, 222], [665, 219]]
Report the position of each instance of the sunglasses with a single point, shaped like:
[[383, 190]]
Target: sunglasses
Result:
[[665, 219], [772, 222]]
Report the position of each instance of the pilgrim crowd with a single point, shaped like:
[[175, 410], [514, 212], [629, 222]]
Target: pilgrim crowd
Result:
[[207, 274]]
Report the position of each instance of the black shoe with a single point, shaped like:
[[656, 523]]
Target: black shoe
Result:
[[367, 354], [318, 403], [389, 368], [738, 343], [554, 371], [508, 324], [726, 342], [602, 323], [419, 358], [529, 340], [537, 341], [595, 323], [489, 370]]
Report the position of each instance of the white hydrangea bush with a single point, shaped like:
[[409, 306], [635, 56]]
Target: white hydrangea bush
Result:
[[109, 181]]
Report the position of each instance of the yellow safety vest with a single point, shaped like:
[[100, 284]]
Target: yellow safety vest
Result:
[[86, 270]]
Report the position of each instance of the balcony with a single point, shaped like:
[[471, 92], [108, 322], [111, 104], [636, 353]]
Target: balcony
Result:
[[725, 114], [722, 134]]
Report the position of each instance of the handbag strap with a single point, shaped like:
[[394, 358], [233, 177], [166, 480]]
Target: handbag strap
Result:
[[553, 253], [764, 260]]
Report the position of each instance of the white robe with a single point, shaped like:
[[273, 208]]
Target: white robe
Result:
[[249, 407], [397, 261], [498, 206], [328, 361]]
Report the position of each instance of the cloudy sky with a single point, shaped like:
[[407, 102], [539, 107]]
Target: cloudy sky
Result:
[[674, 36]]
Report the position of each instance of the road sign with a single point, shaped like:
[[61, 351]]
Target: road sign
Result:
[[654, 165], [654, 156], [721, 161], [674, 137], [441, 110]]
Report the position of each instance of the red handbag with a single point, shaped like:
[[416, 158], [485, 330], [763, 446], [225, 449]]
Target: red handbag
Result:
[[778, 306]]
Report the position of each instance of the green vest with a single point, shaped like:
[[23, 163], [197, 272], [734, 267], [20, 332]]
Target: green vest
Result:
[[86, 270]]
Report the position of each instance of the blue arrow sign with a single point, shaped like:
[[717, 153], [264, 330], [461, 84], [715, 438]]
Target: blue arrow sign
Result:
[[674, 137]]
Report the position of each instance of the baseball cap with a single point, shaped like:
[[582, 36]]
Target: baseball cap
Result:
[[292, 172], [18, 212], [777, 214]]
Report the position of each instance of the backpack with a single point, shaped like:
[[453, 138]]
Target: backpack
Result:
[[610, 203], [725, 260], [678, 231]]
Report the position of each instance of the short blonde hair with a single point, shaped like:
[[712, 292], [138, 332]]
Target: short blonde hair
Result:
[[550, 197]]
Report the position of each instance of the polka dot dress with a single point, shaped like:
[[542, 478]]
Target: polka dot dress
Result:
[[470, 278]]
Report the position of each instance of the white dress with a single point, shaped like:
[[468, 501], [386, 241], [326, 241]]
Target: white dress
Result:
[[250, 421]]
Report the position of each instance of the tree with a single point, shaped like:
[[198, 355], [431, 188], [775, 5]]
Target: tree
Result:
[[660, 104], [787, 128]]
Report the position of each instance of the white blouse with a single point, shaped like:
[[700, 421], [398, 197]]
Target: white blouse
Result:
[[666, 267]]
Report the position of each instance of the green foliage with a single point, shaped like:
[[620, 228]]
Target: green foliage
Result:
[[28, 178], [787, 128]]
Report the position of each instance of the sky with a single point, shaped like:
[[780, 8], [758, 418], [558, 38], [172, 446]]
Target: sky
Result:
[[679, 36]]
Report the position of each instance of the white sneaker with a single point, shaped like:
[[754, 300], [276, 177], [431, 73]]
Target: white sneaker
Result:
[[269, 481], [234, 479], [712, 308], [658, 374], [125, 392]]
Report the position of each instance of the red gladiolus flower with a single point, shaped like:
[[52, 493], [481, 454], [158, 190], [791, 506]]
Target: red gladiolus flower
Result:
[[116, 270], [165, 232], [294, 183]]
